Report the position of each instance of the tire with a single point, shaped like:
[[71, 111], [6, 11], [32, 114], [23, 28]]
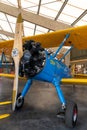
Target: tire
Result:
[[19, 101], [71, 114]]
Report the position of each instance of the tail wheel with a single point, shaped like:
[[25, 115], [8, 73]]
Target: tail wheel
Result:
[[19, 101], [71, 114]]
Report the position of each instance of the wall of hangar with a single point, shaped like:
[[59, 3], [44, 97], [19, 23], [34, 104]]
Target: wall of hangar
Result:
[[78, 54]]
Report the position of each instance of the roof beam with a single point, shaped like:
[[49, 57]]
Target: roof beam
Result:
[[19, 3], [80, 17], [39, 6], [33, 18], [6, 33], [61, 9], [9, 23], [37, 13]]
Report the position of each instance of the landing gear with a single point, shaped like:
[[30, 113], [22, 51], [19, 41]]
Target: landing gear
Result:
[[69, 114], [19, 101]]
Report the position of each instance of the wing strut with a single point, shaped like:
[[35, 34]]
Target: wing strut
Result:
[[61, 45], [66, 53]]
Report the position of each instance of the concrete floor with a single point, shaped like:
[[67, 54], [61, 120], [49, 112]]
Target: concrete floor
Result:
[[40, 107]]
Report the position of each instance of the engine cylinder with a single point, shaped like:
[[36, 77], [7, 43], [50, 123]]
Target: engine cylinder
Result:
[[33, 59]]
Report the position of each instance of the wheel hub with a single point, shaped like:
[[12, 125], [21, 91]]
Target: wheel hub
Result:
[[19, 101], [75, 115]]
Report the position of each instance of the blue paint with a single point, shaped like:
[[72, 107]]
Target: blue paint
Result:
[[59, 91], [53, 71], [61, 45], [66, 53], [26, 87]]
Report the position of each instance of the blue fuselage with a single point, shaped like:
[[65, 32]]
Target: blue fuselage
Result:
[[53, 68]]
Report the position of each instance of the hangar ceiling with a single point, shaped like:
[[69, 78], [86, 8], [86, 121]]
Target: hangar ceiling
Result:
[[41, 16]]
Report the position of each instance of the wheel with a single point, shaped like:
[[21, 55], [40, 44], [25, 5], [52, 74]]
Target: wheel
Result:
[[71, 114], [19, 101]]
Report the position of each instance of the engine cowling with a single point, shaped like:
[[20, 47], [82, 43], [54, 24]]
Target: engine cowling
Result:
[[33, 59]]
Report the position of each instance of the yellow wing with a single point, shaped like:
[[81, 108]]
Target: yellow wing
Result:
[[63, 81], [11, 76], [74, 81], [78, 37]]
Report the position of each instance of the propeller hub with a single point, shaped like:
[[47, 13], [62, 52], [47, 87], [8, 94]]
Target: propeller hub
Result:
[[15, 52]]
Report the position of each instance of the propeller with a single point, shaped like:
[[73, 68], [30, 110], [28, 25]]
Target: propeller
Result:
[[17, 53]]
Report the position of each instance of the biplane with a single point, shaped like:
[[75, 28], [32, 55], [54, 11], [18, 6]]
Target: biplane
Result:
[[34, 62]]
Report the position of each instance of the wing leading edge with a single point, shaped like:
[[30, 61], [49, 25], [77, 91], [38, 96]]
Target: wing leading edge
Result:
[[11, 76], [78, 37], [63, 81], [74, 81]]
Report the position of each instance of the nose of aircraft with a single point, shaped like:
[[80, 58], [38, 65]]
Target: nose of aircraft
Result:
[[33, 59]]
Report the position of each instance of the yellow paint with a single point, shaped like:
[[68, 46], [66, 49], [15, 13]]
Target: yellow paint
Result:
[[73, 70], [4, 116], [11, 76], [7, 75], [78, 37], [52, 62], [81, 75], [19, 19], [74, 81], [13, 96], [5, 103]]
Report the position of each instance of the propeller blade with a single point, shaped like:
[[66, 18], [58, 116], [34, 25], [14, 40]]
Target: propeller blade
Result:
[[17, 53]]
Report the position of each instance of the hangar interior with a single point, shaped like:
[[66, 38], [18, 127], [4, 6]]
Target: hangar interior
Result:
[[41, 17], [41, 102]]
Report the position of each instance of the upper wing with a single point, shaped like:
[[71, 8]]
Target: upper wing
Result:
[[74, 81], [6, 47], [78, 37]]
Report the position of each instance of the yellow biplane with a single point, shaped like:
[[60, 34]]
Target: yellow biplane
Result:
[[53, 39], [76, 36]]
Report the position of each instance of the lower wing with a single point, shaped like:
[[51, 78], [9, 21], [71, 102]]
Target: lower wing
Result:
[[63, 81], [11, 76], [74, 81]]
